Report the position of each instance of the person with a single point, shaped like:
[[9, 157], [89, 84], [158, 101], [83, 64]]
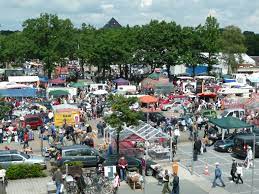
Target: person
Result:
[[233, 170], [116, 183], [26, 139], [166, 183], [218, 174], [176, 188], [57, 177], [239, 173], [249, 157], [123, 164]]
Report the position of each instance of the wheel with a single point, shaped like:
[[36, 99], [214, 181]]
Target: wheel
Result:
[[107, 188], [168, 109], [229, 150]]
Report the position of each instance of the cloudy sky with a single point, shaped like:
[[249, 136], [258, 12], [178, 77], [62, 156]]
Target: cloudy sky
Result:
[[243, 13]]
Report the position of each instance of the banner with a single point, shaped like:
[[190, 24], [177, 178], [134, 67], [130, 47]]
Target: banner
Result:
[[68, 117]]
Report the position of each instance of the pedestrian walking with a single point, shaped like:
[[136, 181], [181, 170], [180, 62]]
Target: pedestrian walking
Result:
[[25, 140], [57, 177], [218, 175], [233, 170], [249, 158], [166, 183], [239, 173], [176, 187]]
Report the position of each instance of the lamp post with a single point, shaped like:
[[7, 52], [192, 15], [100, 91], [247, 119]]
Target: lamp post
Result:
[[252, 186]]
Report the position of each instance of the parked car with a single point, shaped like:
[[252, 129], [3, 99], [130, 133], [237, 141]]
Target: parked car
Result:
[[241, 142], [34, 121], [239, 113], [112, 160], [90, 157], [225, 145], [8, 157]]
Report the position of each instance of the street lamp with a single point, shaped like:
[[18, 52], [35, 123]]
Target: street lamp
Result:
[[252, 186]]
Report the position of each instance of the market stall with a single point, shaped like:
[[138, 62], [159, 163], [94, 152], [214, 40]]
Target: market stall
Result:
[[121, 81], [227, 123], [144, 138]]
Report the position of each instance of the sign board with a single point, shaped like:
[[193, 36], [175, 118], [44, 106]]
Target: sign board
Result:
[[109, 171], [70, 118]]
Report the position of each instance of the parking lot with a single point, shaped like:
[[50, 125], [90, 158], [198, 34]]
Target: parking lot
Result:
[[184, 153]]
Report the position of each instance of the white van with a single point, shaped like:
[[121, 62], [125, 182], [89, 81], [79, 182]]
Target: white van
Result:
[[237, 112], [123, 89], [98, 87]]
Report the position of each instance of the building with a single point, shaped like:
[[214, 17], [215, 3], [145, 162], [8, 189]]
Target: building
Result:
[[113, 23]]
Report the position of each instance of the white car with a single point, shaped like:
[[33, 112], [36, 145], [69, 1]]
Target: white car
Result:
[[172, 106]]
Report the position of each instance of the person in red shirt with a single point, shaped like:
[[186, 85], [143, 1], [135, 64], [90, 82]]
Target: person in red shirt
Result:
[[26, 139], [123, 164]]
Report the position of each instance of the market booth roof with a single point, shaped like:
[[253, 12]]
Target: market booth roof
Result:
[[148, 99], [230, 123], [58, 93], [77, 85], [143, 131], [121, 81], [57, 81]]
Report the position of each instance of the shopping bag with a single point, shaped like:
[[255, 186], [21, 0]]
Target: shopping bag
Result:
[[61, 188]]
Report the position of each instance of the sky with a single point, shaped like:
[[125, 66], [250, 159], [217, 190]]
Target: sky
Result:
[[242, 13]]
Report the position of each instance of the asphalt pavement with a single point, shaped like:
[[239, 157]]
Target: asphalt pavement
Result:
[[184, 153]]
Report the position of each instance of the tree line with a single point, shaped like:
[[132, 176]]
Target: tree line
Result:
[[54, 41]]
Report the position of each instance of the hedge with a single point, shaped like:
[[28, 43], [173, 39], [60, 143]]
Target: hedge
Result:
[[22, 171]]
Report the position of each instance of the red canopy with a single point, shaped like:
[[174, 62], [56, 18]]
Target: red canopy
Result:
[[148, 99], [57, 81]]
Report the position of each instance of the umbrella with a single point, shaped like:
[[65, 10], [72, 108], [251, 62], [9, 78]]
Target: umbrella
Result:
[[77, 85], [100, 92], [154, 76], [148, 99], [121, 81], [57, 81], [57, 93]]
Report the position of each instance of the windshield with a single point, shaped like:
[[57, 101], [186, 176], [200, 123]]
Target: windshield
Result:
[[25, 155], [224, 113]]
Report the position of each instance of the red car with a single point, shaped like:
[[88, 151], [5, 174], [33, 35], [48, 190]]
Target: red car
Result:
[[33, 120]]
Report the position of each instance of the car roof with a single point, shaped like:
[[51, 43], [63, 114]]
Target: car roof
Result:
[[233, 109], [2, 152], [31, 116], [75, 147], [247, 137]]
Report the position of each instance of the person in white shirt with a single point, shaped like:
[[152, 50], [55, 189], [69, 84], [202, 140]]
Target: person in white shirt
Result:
[[239, 173], [116, 183], [249, 157]]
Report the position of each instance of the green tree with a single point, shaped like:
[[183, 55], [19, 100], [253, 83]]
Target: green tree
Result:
[[52, 39], [192, 46], [122, 115], [211, 40], [233, 45]]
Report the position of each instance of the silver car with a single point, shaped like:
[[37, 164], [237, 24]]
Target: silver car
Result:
[[8, 157]]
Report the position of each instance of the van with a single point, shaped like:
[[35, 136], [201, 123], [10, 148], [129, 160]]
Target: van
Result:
[[241, 142], [123, 89], [33, 121], [98, 87], [238, 113]]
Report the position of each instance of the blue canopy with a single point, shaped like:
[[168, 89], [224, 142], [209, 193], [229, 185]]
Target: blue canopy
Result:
[[26, 92]]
